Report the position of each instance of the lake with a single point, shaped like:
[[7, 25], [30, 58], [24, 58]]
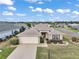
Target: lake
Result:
[[7, 29]]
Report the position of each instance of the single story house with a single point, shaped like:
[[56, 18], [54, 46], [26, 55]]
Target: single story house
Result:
[[33, 34]]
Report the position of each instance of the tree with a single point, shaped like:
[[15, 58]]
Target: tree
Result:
[[1, 39], [22, 29], [7, 37], [29, 24], [16, 32]]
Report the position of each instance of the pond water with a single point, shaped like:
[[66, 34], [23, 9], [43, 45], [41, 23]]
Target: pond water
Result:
[[3, 34], [8, 29]]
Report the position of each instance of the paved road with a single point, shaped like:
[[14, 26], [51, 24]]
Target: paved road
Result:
[[73, 34], [24, 52]]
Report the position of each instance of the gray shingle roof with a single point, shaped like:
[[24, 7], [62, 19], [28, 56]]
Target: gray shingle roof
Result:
[[29, 33], [34, 31]]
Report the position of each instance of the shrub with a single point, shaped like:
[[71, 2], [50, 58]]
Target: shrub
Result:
[[55, 41], [41, 40], [11, 36], [49, 41], [74, 39], [61, 42], [14, 41], [1, 39]]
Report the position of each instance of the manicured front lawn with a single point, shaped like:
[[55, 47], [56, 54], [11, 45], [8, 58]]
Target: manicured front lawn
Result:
[[6, 52], [59, 52], [42, 53]]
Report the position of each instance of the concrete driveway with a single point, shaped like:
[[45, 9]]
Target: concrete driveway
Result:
[[24, 52]]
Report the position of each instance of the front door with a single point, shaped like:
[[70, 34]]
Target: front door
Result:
[[43, 34]]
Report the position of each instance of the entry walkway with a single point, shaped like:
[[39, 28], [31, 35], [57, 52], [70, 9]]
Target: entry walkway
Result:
[[24, 52]]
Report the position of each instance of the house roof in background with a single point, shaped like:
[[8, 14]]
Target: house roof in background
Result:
[[42, 27]]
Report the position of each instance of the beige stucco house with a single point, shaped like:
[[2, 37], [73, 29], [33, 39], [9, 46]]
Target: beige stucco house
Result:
[[32, 35]]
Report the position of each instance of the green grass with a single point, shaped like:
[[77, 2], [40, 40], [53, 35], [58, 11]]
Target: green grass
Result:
[[71, 29], [67, 38], [59, 52], [5, 52], [6, 49], [42, 53]]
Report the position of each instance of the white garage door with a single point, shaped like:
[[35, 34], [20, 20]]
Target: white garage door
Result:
[[27, 40]]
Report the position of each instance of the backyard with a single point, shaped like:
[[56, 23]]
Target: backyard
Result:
[[58, 52]]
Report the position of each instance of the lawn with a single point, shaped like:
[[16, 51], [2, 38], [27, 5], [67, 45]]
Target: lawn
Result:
[[71, 29], [6, 49], [6, 52], [42, 53], [59, 52]]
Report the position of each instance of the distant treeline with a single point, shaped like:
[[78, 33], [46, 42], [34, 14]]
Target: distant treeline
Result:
[[45, 22], [65, 22]]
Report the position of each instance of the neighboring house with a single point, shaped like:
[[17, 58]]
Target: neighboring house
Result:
[[33, 34], [61, 25]]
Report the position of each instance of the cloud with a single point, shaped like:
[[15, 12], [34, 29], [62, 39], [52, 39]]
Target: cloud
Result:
[[47, 10], [38, 15], [19, 14], [77, 5], [75, 12], [31, 7], [12, 8], [6, 2], [37, 10], [62, 11], [40, 2], [31, 1], [69, 2], [7, 13]]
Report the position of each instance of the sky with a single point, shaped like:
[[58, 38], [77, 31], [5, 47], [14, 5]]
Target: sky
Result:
[[39, 10]]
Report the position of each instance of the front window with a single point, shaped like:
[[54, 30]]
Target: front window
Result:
[[55, 37]]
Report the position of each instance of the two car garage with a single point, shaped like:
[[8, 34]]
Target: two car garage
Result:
[[28, 40], [29, 37]]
